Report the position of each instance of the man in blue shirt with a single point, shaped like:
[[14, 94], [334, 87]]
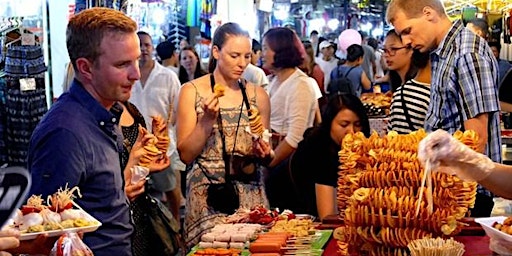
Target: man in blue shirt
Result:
[[78, 142], [464, 77]]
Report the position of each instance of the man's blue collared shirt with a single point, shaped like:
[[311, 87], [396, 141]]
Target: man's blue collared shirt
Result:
[[78, 143], [464, 85]]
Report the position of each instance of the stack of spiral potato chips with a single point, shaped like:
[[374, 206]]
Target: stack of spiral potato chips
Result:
[[379, 186]]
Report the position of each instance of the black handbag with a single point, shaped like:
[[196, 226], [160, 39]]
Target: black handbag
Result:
[[165, 227]]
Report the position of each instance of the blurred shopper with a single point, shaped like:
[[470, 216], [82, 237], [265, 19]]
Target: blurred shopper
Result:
[[212, 136], [410, 101], [252, 72], [78, 141], [155, 94], [292, 98], [311, 68], [168, 55], [190, 65], [313, 38], [327, 62], [479, 27], [379, 60], [351, 70], [294, 183], [503, 65], [369, 58], [464, 77]]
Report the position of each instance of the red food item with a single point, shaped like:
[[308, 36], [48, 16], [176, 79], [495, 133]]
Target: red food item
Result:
[[266, 247], [266, 254], [26, 209], [67, 206]]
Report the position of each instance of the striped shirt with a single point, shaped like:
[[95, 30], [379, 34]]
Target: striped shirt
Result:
[[464, 85], [413, 97]]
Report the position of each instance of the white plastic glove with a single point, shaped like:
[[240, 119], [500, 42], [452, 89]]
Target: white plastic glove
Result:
[[451, 156]]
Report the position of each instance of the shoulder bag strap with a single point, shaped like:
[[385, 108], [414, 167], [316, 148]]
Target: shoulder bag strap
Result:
[[406, 112], [346, 74]]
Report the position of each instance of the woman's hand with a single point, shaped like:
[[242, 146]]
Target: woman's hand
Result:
[[134, 190], [159, 165], [211, 109], [262, 149]]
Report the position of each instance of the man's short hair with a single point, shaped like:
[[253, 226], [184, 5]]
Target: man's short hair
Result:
[[86, 31], [165, 50], [314, 32], [412, 8], [481, 25], [495, 44]]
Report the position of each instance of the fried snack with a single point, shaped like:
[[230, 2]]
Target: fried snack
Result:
[[218, 90], [161, 132], [255, 122], [151, 152], [382, 197]]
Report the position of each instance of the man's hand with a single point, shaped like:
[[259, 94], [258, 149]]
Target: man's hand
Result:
[[8, 240]]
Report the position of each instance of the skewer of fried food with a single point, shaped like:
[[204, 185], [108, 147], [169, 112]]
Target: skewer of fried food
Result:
[[427, 176]]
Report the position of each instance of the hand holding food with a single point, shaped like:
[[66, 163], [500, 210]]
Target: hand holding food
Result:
[[9, 239], [439, 147], [255, 122], [151, 152], [218, 90], [161, 133]]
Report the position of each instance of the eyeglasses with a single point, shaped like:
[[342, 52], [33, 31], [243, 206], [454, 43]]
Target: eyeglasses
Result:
[[392, 50]]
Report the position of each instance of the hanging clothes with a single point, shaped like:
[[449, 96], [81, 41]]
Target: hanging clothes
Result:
[[193, 12], [25, 106]]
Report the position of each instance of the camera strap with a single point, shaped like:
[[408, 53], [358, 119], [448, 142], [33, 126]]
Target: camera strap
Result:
[[225, 156]]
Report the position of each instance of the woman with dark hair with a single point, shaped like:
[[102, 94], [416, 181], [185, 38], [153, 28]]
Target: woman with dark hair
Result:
[[398, 60], [306, 182], [410, 101], [212, 135], [292, 97], [352, 70], [311, 68], [190, 65]]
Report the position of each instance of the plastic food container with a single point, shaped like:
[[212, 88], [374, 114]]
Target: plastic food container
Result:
[[501, 242]]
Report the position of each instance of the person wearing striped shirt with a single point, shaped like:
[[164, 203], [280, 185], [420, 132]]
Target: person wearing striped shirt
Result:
[[410, 101]]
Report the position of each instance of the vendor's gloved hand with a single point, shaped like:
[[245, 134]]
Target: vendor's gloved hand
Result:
[[446, 154]]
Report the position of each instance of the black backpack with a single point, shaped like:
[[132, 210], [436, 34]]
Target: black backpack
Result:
[[340, 83]]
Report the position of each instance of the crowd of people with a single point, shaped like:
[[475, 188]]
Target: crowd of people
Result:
[[443, 76]]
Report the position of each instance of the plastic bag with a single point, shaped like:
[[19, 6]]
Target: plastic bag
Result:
[[502, 207], [70, 244]]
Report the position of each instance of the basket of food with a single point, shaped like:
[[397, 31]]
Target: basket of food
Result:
[[58, 215]]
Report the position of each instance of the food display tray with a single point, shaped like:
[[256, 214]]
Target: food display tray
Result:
[[52, 233], [317, 245]]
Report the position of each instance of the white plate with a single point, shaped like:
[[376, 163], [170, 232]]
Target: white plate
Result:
[[30, 236], [492, 232]]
